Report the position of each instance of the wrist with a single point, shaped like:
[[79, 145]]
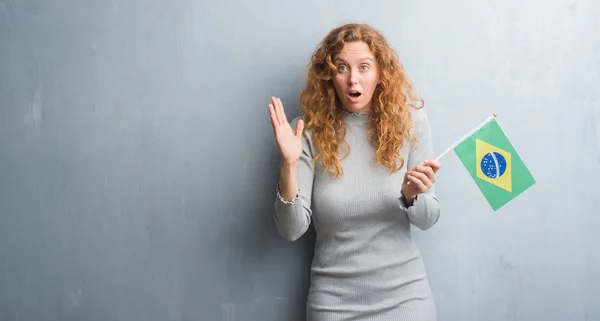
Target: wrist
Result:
[[286, 167], [288, 184], [408, 198]]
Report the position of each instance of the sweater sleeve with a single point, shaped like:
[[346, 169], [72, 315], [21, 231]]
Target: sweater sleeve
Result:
[[292, 218], [425, 210]]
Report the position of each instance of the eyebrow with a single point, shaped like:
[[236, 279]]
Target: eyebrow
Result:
[[342, 60]]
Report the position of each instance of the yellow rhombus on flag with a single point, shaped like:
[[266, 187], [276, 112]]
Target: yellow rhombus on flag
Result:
[[494, 164]]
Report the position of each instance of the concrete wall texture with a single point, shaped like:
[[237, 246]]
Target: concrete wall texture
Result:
[[138, 167]]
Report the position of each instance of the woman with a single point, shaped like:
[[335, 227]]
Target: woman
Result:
[[361, 171]]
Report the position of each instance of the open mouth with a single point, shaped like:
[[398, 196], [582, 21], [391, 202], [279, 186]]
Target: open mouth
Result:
[[354, 94]]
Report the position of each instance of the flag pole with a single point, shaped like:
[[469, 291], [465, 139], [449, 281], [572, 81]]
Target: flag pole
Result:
[[466, 136]]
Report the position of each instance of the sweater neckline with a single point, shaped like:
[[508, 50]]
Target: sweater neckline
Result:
[[356, 118]]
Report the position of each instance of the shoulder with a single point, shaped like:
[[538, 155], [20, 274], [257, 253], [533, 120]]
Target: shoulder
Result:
[[419, 117], [419, 121], [420, 130]]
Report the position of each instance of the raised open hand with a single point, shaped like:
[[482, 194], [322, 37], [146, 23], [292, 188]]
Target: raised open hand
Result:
[[288, 140]]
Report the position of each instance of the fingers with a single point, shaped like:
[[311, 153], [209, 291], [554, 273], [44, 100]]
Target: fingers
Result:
[[416, 182], [428, 171], [283, 116], [277, 112], [421, 177], [434, 164], [273, 115], [299, 128]]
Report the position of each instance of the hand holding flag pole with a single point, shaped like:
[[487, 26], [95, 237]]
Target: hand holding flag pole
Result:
[[462, 139]]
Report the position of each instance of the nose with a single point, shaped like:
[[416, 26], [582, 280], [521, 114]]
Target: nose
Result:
[[352, 77]]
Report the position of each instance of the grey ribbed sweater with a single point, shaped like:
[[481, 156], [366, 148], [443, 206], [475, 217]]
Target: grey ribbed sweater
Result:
[[366, 266]]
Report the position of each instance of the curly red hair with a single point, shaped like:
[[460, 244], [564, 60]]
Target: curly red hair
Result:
[[390, 115]]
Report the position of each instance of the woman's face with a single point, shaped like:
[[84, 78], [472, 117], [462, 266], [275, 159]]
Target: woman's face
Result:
[[357, 76]]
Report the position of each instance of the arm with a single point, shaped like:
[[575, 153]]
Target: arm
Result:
[[292, 213], [424, 210]]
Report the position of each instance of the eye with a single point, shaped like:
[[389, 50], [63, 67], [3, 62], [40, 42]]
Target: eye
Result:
[[342, 68], [364, 67]]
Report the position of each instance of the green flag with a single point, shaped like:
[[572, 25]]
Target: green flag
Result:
[[494, 164]]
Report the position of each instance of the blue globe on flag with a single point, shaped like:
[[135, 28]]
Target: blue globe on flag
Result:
[[493, 165]]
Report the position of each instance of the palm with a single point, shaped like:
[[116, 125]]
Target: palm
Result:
[[288, 139]]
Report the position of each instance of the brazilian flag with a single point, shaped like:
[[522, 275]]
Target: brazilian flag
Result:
[[494, 164]]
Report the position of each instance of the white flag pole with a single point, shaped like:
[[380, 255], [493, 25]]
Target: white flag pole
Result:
[[466, 136]]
